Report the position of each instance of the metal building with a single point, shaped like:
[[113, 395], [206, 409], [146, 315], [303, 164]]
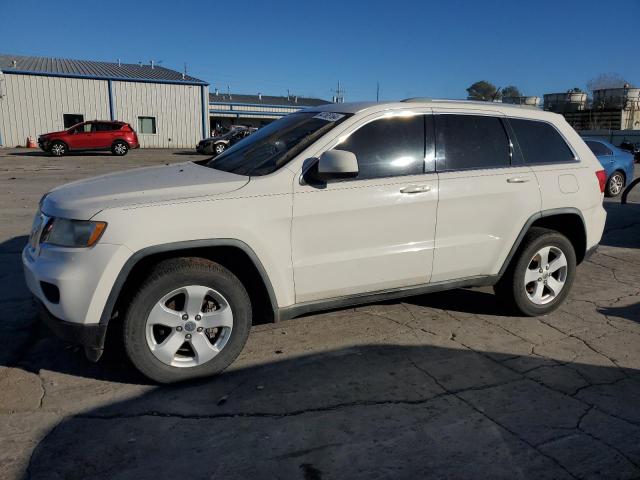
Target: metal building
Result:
[[167, 108], [231, 109]]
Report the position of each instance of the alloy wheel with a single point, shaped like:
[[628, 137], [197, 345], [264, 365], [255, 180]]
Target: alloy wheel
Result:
[[120, 149], [57, 149], [616, 183], [189, 326], [546, 275]]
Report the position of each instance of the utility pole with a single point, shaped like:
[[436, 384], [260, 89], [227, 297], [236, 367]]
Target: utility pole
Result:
[[377, 91], [339, 94]]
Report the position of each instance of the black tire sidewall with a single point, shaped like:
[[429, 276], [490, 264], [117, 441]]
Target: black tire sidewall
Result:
[[534, 244], [159, 285]]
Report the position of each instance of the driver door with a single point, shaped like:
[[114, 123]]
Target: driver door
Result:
[[82, 136], [375, 231]]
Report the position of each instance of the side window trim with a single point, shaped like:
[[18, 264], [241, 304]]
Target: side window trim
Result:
[[575, 159], [440, 153]]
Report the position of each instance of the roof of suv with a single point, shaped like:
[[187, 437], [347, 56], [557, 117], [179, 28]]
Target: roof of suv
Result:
[[505, 108]]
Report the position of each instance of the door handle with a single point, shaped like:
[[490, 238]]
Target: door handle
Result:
[[415, 189], [517, 180]]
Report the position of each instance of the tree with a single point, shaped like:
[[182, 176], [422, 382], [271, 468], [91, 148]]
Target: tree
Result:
[[511, 91], [483, 90], [606, 80]]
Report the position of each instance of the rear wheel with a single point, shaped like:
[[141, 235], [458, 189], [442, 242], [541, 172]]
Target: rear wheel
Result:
[[190, 319], [219, 148], [119, 148], [58, 149], [615, 184], [540, 276]]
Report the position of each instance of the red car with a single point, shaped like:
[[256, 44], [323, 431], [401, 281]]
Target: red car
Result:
[[118, 137]]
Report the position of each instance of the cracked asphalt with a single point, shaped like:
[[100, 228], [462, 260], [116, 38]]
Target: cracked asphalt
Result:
[[445, 385]]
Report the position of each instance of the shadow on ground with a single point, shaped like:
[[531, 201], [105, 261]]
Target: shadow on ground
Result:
[[621, 219], [373, 411]]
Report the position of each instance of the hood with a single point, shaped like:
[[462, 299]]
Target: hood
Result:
[[81, 200], [53, 133]]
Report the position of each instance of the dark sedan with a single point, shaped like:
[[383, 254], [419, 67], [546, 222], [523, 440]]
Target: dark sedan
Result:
[[217, 145]]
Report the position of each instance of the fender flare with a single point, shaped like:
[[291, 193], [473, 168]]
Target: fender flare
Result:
[[122, 277], [536, 216]]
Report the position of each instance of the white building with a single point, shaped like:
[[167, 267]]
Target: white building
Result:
[[230, 109], [38, 95]]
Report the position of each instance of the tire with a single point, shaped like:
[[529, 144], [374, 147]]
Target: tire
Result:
[[58, 149], [119, 148], [535, 297], [149, 340], [615, 184], [218, 149]]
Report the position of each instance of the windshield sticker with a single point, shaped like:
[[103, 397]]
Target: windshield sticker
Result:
[[329, 116]]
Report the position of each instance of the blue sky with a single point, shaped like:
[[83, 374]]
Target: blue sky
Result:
[[413, 48]]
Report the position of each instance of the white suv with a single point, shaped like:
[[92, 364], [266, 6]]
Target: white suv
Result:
[[339, 205]]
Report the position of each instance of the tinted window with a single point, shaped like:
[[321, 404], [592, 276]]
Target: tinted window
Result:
[[540, 142], [598, 148], [472, 141], [388, 147], [105, 127]]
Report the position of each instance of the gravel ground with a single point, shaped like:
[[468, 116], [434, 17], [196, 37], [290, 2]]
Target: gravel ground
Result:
[[442, 385]]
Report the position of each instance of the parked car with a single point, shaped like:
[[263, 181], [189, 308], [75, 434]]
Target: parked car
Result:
[[118, 137], [217, 145], [322, 209], [617, 163]]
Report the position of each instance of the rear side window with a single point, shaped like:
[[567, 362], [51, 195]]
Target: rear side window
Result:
[[388, 147], [471, 142], [540, 142], [106, 127], [598, 148]]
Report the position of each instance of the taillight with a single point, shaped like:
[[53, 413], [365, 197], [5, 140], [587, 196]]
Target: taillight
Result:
[[602, 179]]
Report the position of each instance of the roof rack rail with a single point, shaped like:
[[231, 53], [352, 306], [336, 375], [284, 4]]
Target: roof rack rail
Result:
[[464, 102]]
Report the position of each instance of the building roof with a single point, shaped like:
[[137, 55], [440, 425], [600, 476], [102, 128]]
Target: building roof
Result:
[[284, 101], [62, 67]]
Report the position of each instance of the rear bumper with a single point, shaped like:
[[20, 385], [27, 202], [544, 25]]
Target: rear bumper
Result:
[[88, 335]]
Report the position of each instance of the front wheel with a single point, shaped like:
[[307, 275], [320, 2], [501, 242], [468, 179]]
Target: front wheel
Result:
[[119, 148], [540, 276], [191, 318], [58, 149], [219, 148], [615, 185]]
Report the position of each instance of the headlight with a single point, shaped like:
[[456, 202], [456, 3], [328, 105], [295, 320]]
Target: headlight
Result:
[[72, 233]]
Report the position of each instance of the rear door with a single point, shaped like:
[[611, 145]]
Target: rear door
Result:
[[105, 134], [486, 194]]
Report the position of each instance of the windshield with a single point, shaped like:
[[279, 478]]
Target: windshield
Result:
[[273, 146]]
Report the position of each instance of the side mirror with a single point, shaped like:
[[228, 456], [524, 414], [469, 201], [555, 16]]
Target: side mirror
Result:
[[337, 164]]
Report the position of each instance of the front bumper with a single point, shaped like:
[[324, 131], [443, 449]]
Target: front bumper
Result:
[[89, 336], [80, 279]]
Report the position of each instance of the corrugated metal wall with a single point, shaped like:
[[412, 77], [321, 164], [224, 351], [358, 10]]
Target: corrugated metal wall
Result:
[[177, 109], [33, 104]]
